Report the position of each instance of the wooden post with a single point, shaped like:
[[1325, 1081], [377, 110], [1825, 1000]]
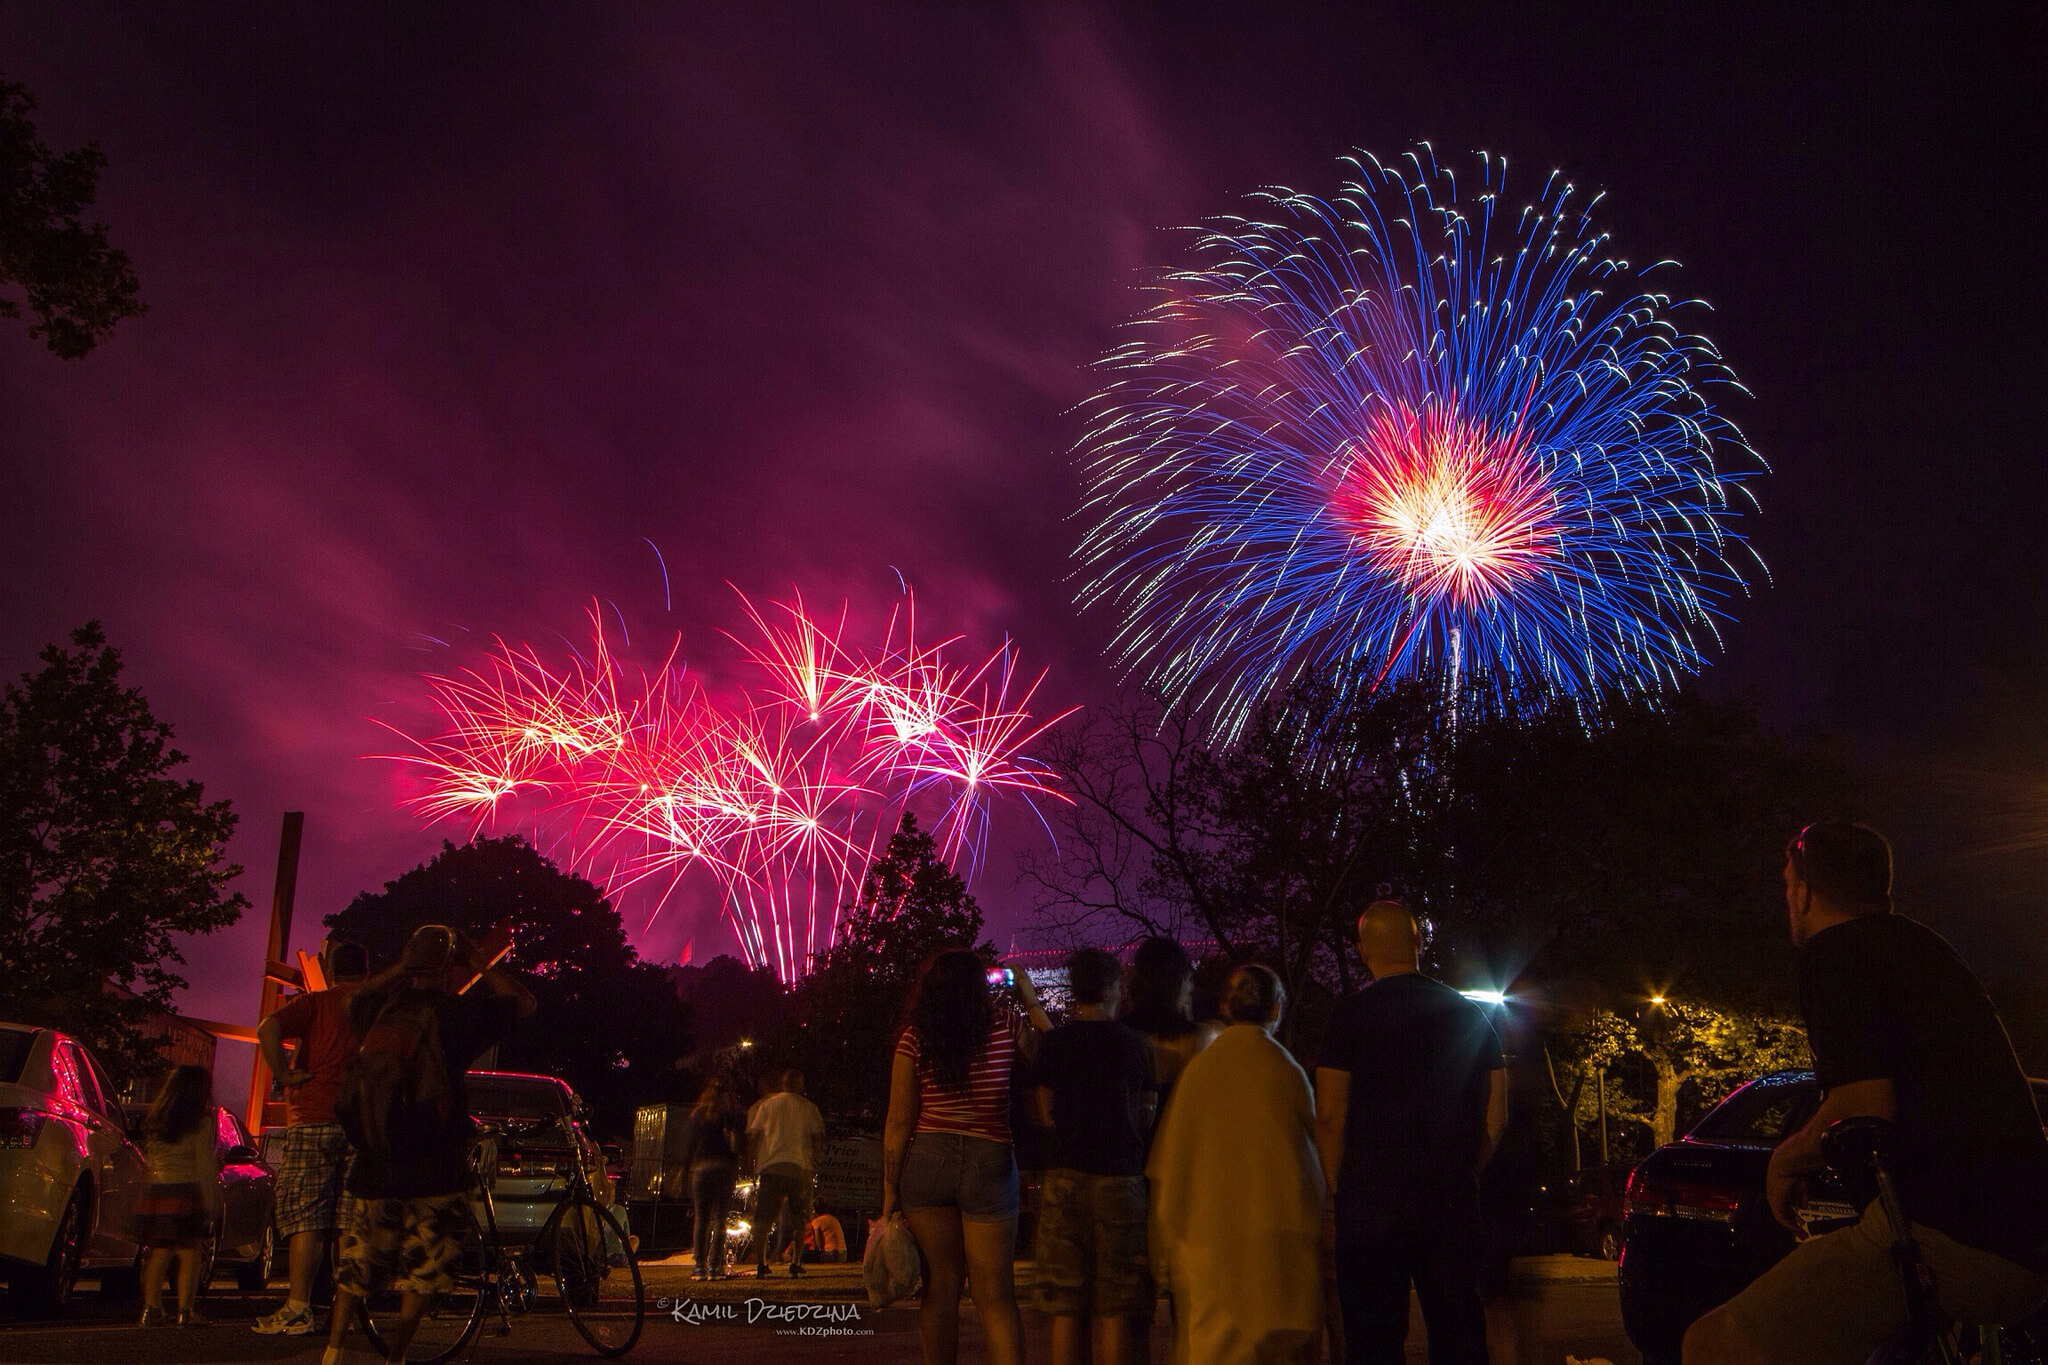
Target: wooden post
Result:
[[280, 942]]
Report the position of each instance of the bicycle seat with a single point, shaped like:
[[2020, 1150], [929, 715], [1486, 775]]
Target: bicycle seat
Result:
[[1860, 1145]]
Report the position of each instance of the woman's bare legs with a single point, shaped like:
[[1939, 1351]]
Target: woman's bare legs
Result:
[[991, 1271], [155, 1267], [938, 1316]]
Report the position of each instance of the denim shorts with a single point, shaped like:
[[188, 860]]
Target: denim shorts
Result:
[[953, 1171]]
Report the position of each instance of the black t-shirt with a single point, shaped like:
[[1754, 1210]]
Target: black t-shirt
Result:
[[1886, 997], [1421, 1059], [470, 1025], [1098, 1071]]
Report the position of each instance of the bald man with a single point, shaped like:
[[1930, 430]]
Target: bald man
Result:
[[1411, 1100]]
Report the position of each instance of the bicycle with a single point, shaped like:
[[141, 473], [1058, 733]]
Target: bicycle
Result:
[[1862, 1149], [581, 1248]]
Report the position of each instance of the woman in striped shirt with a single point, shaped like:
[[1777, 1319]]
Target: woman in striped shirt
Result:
[[947, 1162]]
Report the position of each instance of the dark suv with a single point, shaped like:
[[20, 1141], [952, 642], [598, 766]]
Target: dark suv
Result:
[[1697, 1227]]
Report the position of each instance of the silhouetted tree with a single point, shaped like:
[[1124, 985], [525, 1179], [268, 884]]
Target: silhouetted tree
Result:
[[76, 283], [608, 1024], [912, 904], [105, 855]]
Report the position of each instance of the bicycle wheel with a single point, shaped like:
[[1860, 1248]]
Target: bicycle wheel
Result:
[[596, 1273], [452, 1322]]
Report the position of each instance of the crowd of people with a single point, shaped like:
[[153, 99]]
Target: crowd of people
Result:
[[1194, 1167], [1197, 1171], [375, 1166]]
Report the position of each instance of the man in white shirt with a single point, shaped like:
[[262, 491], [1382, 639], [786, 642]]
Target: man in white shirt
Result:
[[785, 1133]]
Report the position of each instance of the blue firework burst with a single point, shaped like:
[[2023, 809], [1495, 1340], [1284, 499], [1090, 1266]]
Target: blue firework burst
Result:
[[1410, 429]]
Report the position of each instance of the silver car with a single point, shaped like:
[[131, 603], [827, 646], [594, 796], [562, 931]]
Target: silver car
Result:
[[70, 1177], [527, 1157]]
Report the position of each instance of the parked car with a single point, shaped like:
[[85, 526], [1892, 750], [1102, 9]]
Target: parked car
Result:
[[70, 1176], [245, 1240], [1595, 1208], [531, 1159], [1697, 1228]]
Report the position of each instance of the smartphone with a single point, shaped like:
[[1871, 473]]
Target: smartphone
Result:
[[1001, 976]]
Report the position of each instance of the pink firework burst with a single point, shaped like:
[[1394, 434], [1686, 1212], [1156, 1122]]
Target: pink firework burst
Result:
[[782, 797]]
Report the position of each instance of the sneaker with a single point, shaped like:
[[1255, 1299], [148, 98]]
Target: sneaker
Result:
[[285, 1323]]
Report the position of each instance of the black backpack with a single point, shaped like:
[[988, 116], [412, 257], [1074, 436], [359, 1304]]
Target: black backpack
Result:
[[394, 1096]]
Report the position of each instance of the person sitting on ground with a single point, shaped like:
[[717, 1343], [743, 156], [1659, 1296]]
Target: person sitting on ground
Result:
[[786, 1134], [1237, 1192], [825, 1240], [179, 1208], [947, 1160], [307, 1211], [405, 1105], [1901, 1031], [1095, 1091]]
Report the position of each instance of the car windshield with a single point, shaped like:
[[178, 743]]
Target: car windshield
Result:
[[1765, 1110], [14, 1047], [507, 1097]]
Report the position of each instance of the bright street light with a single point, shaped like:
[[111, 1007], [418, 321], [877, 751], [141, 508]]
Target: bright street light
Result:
[[1485, 997]]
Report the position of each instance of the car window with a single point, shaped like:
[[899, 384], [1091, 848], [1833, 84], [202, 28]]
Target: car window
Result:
[[15, 1045], [508, 1099], [74, 1078], [110, 1097], [1766, 1110]]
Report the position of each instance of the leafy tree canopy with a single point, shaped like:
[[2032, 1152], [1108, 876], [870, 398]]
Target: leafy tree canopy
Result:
[[72, 278], [848, 1009], [105, 855], [609, 1024]]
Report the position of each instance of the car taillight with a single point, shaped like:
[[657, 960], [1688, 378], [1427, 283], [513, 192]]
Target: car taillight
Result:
[[1655, 1197], [19, 1128]]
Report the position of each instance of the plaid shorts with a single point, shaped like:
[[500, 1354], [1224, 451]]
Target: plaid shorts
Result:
[[412, 1245], [309, 1177]]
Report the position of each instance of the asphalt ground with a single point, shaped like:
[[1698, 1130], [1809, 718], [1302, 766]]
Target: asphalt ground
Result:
[[1568, 1303]]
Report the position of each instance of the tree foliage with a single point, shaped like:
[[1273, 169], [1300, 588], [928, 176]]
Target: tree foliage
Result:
[[105, 855], [76, 283], [912, 904], [608, 1024]]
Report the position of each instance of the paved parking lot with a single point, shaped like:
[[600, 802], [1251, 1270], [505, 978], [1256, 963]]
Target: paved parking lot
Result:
[[1571, 1305]]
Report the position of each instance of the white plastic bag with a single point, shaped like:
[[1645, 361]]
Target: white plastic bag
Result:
[[890, 1265]]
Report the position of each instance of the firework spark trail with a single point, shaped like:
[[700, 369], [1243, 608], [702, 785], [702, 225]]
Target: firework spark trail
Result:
[[784, 797], [1369, 432]]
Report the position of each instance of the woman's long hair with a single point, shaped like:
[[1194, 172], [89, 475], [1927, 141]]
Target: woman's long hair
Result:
[[1160, 972], [183, 1105], [716, 1099], [952, 1014]]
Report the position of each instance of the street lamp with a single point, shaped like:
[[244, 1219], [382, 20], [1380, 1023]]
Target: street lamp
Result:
[[1490, 998]]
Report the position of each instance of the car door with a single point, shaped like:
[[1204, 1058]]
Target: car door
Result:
[[120, 1174], [247, 1187]]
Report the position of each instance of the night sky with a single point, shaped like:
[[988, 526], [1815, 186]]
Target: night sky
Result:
[[450, 311]]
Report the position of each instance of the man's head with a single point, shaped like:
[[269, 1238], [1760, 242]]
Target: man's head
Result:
[[431, 955], [1254, 996], [1835, 871], [791, 1082], [347, 962], [1389, 939], [1095, 977]]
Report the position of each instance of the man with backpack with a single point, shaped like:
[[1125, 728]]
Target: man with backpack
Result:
[[405, 1108]]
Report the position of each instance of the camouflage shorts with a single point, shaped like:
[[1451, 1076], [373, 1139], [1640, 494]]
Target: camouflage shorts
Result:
[[412, 1245], [1091, 1246]]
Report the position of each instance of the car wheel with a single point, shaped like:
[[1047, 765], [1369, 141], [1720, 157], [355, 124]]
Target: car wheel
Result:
[[1610, 1243], [255, 1276], [43, 1292], [209, 1259]]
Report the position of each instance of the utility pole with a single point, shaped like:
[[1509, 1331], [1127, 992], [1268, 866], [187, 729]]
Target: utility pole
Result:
[[273, 956]]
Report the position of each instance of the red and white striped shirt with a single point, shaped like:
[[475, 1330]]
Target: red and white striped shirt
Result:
[[982, 1109]]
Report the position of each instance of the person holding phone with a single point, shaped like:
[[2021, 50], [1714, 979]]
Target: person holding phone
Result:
[[948, 1164]]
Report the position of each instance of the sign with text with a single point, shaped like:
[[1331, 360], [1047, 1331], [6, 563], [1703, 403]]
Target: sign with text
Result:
[[850, 1174]]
